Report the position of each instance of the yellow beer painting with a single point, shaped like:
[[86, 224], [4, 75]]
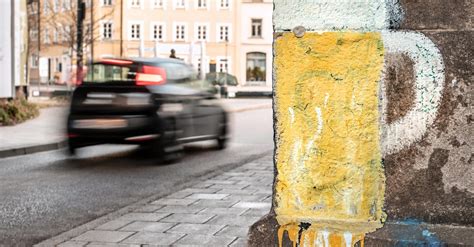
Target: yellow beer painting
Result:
[[328, 125]]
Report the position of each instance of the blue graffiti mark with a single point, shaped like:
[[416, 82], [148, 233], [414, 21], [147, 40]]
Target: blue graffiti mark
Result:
[[416, 234], [431, 238]]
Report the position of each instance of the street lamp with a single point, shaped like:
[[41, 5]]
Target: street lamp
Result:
[[224, 88], [81, 8]]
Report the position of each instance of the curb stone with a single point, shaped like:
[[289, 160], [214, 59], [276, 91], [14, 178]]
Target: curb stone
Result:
[[32, 149]]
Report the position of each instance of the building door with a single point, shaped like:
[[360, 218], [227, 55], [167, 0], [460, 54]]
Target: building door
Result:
[[212, 66]]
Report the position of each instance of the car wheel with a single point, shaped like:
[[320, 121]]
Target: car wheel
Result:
[[164, 151], [221, 143], [173, 153], [71, 148], [222, 138]]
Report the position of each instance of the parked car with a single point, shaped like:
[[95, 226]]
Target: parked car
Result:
[[221, 79], [221, 82], [156, 103]]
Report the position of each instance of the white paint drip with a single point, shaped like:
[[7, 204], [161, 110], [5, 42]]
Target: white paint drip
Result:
[[292, 114], [347, 200], [298, 160], [326, 238], [318, 242], [353, 101], [326, 98], [299, 168], [310, 143], [296, 151], [348, 239], [429, 74], [319, 115]]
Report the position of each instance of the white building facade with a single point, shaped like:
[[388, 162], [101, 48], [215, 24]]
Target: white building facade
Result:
[[255, 46]]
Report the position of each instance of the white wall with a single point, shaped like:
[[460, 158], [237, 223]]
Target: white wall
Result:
[[256, 11], [6, 85]]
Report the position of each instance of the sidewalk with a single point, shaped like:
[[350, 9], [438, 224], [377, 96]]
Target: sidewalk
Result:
[[213, 212], [47, 132]]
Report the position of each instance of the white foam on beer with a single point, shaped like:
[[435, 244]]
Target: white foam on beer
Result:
[[326, 15]]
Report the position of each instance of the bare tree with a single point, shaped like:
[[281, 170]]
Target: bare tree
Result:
[[61, 17]]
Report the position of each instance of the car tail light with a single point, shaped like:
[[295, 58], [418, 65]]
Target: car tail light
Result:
[[116, 61], [151, 76]]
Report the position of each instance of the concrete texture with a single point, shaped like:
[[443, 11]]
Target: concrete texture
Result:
[[432, 180]]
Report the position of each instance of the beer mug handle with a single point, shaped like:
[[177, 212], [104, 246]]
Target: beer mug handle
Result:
[[429, 82]]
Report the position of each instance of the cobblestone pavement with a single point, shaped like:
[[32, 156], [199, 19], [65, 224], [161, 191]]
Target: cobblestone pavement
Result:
[[213, 212]]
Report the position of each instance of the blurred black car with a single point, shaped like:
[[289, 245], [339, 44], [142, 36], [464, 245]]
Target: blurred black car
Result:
[[156, 103]]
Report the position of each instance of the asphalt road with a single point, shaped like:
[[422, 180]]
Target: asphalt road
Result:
[[42, 195]]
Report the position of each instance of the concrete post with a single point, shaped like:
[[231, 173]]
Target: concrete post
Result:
[[370, 107]]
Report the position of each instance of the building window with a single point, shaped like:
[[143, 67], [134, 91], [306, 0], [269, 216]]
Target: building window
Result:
[[67, 33], [199, 67], [159, 4], [34, 34], [46, 36], [223, 34], [107, 30], [256, 28], [256, 67], [55, 5], [59, 35], [134, 32], [34, 7], [223, 64], [180, 32], [158, 31], [179, 4], [224, 4], [58, 65], [135, 3], [66, 4], [201, 32], [34, 60], [46, 7], [202, 4], [55, 36], [106, 2]]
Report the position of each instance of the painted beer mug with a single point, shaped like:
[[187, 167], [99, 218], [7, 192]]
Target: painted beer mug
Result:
[[330, 109]]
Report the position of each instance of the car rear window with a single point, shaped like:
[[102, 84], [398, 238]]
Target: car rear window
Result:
[[104, 73]]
